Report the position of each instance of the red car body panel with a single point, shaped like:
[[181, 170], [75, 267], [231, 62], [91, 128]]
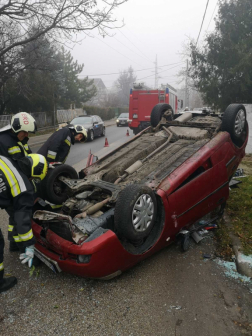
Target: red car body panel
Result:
[[183, 205]]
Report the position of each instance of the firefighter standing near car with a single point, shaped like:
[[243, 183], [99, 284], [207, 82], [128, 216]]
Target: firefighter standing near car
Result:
[[57, 147], [13, 144], [17, 198]]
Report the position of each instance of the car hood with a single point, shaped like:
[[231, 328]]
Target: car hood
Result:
[[123, 119]]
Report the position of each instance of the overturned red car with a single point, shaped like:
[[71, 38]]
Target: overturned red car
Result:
[[144, 195]]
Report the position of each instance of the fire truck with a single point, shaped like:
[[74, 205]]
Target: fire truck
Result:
[[142, 101]]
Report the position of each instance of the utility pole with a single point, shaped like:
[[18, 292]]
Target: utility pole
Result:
[[156, 74], [186, 86]]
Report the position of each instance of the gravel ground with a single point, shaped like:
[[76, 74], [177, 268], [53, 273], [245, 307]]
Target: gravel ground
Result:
[[170, 294]]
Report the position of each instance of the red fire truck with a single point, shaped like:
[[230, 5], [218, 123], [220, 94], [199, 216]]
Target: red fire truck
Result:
[[142, 101]]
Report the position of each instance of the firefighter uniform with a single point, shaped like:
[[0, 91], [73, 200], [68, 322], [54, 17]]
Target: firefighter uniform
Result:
[[17, 197], [57, 147], [10, 146]]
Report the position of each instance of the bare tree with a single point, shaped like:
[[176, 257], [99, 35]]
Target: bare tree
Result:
[[24, 21]]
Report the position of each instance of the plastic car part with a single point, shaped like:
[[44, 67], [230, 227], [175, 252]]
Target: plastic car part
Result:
[[53, 190], [135, 212], [234, 122]]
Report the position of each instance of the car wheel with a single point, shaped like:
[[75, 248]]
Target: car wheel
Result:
[[52, 188], [135, 212], [157, 113], [91, 135], [234, 122], [117, 125], [103, 131]]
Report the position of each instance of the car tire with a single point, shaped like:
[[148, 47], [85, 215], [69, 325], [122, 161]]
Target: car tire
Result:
[[117, 125], [91, 135], [52, 189], [157, 113], [234, 122], [103, 132], [131, 221], [136, 131]]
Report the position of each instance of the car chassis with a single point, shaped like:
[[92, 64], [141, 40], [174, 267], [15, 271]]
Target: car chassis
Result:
[[145, 194]]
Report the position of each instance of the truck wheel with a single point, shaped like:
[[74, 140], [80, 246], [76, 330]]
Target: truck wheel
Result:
[[135, 212], [52, 188], [234, 122], [157, 113]]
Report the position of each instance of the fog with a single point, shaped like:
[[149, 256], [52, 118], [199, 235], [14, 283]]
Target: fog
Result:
[[150, 29]]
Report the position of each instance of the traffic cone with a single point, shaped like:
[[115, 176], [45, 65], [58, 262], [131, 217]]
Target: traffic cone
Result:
[[127, 133], [106, 143]]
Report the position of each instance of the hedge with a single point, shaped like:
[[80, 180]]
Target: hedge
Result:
[[105, 113]]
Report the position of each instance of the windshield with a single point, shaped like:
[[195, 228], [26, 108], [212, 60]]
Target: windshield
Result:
[[81, 121], [124, 115]]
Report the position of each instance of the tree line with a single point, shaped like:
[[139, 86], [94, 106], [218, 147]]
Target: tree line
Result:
[[35, 73], [221, 68]]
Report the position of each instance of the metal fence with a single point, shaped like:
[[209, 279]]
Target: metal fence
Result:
[[64, 116], [44, 119]]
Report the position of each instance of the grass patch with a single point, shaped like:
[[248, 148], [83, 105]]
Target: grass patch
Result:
[[223, 242], [239, 208]]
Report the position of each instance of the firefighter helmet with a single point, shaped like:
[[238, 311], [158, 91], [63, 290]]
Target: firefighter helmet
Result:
[[79, 129], [23, 121], [34, 166]]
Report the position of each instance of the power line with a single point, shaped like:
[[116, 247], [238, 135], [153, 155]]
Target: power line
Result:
[[202, 22], [160, 72], [134, 45], [117, 51], [130, 49], [118, 73], [212, 15]]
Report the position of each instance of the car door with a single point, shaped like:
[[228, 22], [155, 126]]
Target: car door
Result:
[[100, 123], [193, 198], [96, 126]]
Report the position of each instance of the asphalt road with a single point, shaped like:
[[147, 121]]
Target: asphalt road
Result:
[[79, 151]]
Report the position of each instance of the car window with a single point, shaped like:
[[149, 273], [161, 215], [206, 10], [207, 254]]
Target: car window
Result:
[[81, 121], [124, 115]]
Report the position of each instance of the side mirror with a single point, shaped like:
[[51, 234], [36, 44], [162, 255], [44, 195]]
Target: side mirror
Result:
[[95, 122], [68, 122]]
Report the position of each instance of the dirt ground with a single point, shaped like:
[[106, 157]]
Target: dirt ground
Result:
[[169, 294]]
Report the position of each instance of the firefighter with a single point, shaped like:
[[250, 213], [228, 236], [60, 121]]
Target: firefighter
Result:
[[57, 147], [13, 144], [17, 195], [14, 137]]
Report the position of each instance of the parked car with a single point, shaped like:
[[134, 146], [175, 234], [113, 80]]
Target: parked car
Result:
[[122, 120], [92, 123], [151, 191]]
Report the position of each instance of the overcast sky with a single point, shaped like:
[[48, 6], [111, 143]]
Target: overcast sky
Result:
[[151, 27]]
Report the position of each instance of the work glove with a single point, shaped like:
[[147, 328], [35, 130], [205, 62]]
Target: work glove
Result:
[[28, 256]]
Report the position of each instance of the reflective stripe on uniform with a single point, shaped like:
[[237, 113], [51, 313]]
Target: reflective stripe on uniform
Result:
[[10, 228], [26, 236], [26, 147], [14, 150], [1, 266], [51, 154], [68, 141], [23, 146], [17, 239], [13, 177]]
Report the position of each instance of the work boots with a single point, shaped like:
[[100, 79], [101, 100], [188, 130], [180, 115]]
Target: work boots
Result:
[[7, 283]]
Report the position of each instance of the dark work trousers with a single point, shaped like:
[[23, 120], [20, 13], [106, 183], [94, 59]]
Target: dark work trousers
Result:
[[1, 256], [14, 232]]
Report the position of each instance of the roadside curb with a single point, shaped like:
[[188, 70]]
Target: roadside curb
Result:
[[243, 263]]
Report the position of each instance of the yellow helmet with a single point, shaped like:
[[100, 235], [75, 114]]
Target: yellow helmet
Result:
[[34, 165]]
